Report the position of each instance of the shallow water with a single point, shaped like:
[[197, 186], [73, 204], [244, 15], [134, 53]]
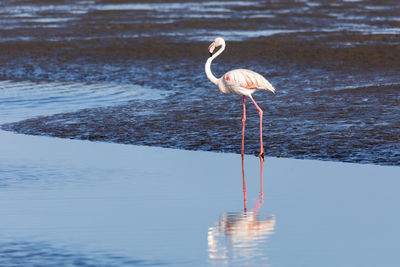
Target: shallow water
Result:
[[21, 100], [78, 203], [133, 72]]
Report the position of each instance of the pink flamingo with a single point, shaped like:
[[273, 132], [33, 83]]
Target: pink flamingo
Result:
[[242, 82]]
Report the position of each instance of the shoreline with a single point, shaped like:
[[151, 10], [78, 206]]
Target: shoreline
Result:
[[383, 164]]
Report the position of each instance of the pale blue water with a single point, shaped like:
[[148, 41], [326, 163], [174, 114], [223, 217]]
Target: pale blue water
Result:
[[79, 203]]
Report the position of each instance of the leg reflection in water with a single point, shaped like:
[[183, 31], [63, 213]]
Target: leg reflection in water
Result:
[[261, 198], [241, 237], [244, 186]]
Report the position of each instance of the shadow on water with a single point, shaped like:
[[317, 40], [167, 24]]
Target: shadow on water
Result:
[[241, 236]]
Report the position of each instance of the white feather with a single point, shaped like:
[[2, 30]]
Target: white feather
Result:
[[244, 82]]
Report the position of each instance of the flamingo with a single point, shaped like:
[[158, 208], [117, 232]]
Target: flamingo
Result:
[[240, 81]]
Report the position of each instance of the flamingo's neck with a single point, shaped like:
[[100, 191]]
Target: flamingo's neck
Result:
[[209, 74]]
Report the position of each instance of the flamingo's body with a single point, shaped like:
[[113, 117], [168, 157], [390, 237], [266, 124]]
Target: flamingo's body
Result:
[[242, 82]]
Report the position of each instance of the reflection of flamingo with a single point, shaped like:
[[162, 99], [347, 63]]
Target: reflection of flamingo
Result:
[[261, 186], [242, 82], [239, 237]]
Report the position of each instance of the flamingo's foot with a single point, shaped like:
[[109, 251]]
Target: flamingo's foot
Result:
[[261, 155]]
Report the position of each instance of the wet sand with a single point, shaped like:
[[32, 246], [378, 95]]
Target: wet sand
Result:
[[78, 202], [335, 66]]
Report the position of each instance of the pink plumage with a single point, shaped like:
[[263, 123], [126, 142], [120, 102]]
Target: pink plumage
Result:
[[244, 82]]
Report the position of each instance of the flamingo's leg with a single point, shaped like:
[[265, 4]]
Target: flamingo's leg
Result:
[[260, 113], [244, 187], [243, 122]]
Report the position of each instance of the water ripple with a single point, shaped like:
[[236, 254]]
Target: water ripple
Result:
[[28, 253], [27, 99]]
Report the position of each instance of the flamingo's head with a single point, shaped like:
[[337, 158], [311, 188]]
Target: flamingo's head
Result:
[[217, 43]]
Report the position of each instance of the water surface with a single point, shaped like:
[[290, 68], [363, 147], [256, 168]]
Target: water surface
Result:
[[98, 204], [132, 72]]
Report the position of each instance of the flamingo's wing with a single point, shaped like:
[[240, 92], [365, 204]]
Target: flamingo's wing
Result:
[[248, 79]]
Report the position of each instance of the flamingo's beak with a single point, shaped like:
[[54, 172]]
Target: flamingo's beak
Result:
[[211, 48]]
